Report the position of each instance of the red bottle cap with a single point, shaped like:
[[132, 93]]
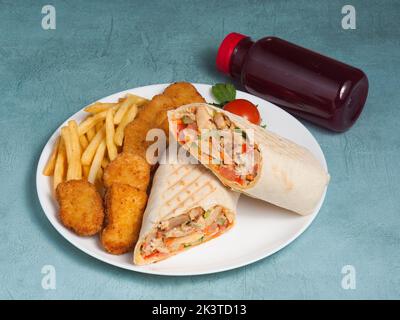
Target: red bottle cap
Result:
[[226, 49]]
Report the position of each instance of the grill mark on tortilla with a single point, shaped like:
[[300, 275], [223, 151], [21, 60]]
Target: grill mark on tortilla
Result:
[[173, 173], [190, 199], [175, 179], [212, 188], [175, 196]]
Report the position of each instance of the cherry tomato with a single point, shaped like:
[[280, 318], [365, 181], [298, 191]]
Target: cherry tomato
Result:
[[245, 109]]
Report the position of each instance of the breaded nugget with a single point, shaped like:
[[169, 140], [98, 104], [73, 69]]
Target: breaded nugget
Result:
[[183, 93], [135, 137], [159, 103], [162, 123], [124, 210], [154, 115], [128, 169], [81, 207]]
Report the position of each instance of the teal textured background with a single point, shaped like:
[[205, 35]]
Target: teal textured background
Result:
[[102, 47]]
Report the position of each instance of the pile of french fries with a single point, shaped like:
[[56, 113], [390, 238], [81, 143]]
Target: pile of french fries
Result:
[[82, 151]]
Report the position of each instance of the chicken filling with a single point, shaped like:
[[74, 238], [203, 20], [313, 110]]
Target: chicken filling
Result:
[[181, 232], [228, 152]]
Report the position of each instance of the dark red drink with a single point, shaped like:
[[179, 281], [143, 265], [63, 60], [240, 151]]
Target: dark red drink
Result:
[[305, 83]]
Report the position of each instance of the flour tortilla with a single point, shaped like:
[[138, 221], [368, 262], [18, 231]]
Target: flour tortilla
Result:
[[177, 188], [289, 177]]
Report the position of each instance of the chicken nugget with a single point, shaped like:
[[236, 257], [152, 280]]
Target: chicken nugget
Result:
[[124, 211], [128, 168], [81, 207], [135, 137], [158, 103], [183, 93], [162, 123], [154, 115]]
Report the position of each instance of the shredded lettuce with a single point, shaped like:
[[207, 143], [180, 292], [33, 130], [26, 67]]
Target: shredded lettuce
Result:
[[187, 120], [206, 214], [221, 221]]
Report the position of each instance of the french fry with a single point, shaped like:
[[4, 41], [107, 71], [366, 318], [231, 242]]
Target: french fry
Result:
[[110, 132], [99, 125], [85, 150], [128, 117], [74, 167], [91, 133], [65, 134], [49, 168], [99, 107], [99, 175], [104, 163], [90, 122], [99, 179], [59, 167], [85, 171], [83, 141], [90, 151], [123, 108], [138, 99], [96, 164]]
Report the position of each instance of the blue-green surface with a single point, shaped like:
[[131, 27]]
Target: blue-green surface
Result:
[[102, 47]]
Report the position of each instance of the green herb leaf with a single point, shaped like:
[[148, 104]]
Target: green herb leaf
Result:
[[186, 245], [187, 120], [224, 92], [221, 221], [206, 214], [264, 126]]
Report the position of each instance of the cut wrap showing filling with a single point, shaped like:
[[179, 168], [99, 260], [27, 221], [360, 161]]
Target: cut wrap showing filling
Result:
[[230, 156], [176, 234]]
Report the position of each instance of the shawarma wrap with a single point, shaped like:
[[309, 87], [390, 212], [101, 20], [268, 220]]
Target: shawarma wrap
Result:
[[250, 159], [187, 206]]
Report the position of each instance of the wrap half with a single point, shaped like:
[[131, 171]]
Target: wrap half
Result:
[[187, 206], [250, 159]]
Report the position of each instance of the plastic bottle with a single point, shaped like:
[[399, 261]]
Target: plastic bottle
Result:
[[305, 83]]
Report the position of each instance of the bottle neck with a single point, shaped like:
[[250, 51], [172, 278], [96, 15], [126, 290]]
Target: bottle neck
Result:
[[238, 57]]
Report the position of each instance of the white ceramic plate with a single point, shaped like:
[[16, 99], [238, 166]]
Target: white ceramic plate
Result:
[[261, 229]]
